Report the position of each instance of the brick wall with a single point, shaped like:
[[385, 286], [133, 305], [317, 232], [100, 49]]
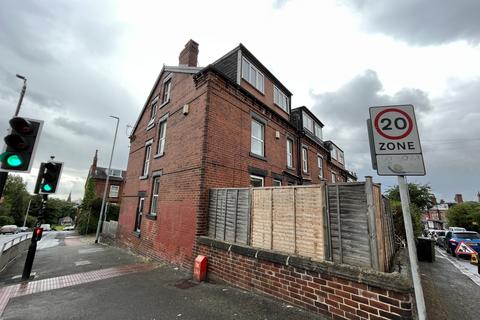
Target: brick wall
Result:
[[338, 291]]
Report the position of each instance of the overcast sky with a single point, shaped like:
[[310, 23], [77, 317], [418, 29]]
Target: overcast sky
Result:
[[86, 60]]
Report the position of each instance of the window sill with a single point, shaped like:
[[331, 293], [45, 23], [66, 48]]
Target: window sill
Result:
[[164, 104], [291, 168], [151, 216], [258, 156], [281, 108], [158, 155], [143, 177], [136, 234], [150, 124]]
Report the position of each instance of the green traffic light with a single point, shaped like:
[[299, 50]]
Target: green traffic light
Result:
[[47, 187], [14, 161]]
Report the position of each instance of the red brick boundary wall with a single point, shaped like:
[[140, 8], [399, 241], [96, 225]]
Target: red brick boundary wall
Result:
[[339, 291]]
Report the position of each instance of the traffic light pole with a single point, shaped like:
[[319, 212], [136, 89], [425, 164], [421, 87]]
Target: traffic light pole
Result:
[[27, 269], [4, 175]]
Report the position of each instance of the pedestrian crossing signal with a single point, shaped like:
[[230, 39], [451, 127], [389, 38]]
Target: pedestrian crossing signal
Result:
[[37, 234]]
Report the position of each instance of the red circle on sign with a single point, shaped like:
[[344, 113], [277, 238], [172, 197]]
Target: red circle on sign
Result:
[[406, 133]]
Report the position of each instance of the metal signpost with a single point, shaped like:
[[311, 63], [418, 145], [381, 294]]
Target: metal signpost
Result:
[[396, 151]]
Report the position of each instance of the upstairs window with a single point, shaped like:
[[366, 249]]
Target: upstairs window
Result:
[[280, 99], [153, 111], [307, 122], [113, 192], [305, 159], [340, 157], [258, 140], [290, 153], [318, 131], [252, 75], [155, 191], [146, 164], [320, 166], [333, 153], [166, 90], [162, 133]]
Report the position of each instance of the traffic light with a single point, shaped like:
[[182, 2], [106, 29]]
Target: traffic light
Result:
[[37, 234], [48, 177], [20, 144]]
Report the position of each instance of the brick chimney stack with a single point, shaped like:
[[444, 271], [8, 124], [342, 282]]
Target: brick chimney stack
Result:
[[189, 54], [458, 198]]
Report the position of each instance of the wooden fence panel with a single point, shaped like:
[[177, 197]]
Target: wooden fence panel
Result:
[[283, 227], [262, 218], [309, 224]]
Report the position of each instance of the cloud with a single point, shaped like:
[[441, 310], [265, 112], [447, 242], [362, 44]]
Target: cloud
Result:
[[79, 127], [448, 127], [426, 22], [278, 4]]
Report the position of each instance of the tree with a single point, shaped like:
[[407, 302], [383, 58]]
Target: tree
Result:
[[15, 200], [88, 217], [465, 215], [420, 199]]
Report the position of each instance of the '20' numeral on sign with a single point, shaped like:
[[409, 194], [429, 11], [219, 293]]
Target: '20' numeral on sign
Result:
[[400, 123]]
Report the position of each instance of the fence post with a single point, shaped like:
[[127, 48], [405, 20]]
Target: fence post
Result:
[[216, 214], [225, 216], [235, 219], [295, 220], [271, 219], [372, 234], [328, 234]]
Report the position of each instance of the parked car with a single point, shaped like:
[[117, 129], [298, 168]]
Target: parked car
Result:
[[68, 228], [453, 238], [9, 228], [454, 229], [23, 229], [46, 227]]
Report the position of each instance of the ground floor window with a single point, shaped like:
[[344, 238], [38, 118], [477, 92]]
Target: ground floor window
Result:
[[277, 183], [256, 181], [138, 218]]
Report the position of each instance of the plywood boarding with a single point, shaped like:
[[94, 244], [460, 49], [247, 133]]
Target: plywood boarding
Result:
[[262, 218], [309, 206], [283, 228]]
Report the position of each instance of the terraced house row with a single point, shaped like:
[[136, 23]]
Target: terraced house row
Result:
[[229, 124]]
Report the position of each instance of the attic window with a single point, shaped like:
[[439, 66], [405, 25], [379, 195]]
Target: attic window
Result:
[[252, 75], [280, 99]]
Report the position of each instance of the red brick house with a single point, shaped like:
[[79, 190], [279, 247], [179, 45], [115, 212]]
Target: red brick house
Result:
[[229, 124], [115, 182]]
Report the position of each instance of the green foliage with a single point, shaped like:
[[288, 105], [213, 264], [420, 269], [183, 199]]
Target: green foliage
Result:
[[113, 212], [89, 195], [55, 209], [465, 215], [31, 221], [15, 200], [6, 220], [88, 217], [420, 199]]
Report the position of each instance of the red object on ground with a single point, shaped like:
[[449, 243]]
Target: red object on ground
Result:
[[200, 268]]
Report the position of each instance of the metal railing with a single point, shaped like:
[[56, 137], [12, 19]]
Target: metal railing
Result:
[[7, 245]]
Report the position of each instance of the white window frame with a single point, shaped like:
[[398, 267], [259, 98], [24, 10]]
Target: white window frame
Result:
[[280, 99], [112, 193], [289, 153], [259, 81], [334, 176], [318, 130], [261, 139], [138, 218], [153, 111], [167, 87], [320, 166], [162, 134], [304, 159], [252, 176], [341, 157], [306, 121], [279, 182], [334, 153], [148, 157], [155, 193]]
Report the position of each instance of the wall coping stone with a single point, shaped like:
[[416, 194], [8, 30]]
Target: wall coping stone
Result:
[[390, 281]]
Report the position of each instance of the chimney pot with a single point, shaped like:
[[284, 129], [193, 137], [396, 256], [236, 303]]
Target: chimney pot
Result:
[[189, 54]]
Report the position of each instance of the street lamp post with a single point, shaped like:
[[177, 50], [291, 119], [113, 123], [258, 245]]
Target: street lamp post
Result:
[[106, 182]]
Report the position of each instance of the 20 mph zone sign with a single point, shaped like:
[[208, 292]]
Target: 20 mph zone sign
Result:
[[394, 141]]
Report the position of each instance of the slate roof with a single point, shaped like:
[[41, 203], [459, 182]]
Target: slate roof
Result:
[[101, 174]]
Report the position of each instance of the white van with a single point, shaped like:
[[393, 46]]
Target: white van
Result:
[[455, 229], [46, 227]]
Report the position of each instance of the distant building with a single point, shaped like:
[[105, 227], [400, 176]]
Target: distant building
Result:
[[65, 221], [116, 181]]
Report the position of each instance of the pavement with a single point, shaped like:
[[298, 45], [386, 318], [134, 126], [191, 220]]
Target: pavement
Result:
[[76, 279], [451, 287]]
